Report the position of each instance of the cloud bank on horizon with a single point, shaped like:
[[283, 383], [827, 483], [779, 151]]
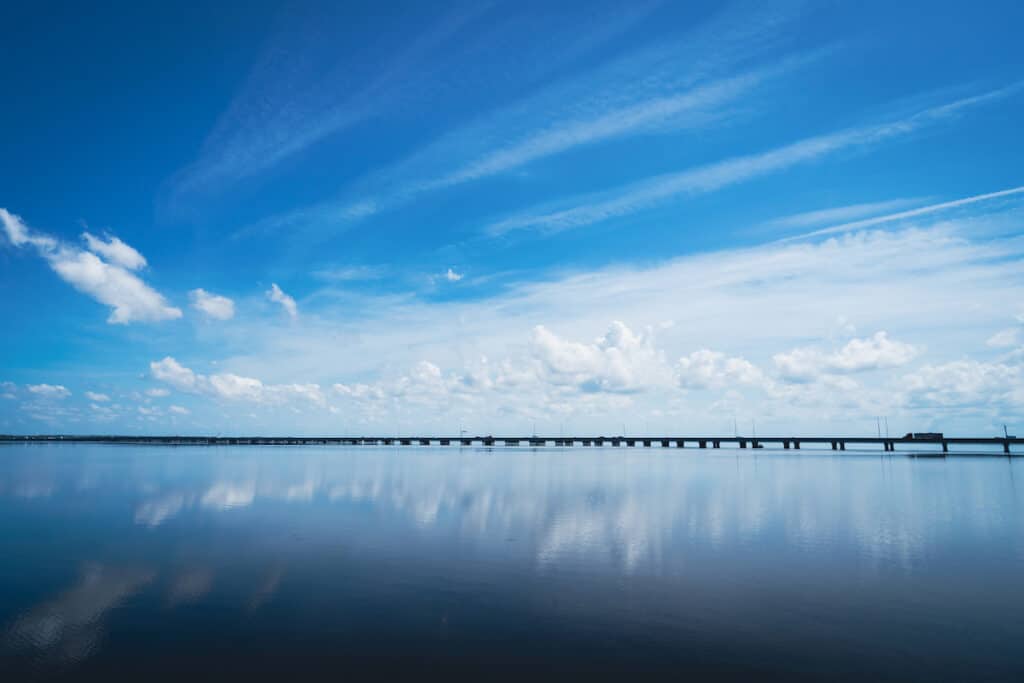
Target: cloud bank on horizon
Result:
[[669, 219]]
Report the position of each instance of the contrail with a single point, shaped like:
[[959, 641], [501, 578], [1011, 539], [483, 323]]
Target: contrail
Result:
[[866, 222]]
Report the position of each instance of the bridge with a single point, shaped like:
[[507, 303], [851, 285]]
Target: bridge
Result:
[[836, 443]]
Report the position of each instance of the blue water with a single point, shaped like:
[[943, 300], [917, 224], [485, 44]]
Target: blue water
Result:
[[131, 562]]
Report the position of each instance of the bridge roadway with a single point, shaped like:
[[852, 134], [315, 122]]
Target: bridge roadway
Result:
[[836, 443]]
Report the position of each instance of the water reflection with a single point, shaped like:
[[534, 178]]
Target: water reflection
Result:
[[641, 546], [189, 585], [69, 627]]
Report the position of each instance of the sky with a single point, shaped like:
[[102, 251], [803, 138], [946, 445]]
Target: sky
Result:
[[790, 218]]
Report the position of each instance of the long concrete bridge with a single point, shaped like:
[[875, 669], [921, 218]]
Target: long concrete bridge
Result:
[[836, 443]]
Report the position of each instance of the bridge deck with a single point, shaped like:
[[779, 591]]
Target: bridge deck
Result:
[[835, 442]]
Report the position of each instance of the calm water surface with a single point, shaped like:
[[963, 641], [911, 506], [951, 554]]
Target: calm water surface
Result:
[[246, 563]]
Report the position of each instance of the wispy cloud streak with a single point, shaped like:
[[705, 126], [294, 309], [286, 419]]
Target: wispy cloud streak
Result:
[[912, 213], [835, 214], [306, 89], [685, 84], [704, 179]]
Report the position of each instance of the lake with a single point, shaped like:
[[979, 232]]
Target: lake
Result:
[[364, 562]]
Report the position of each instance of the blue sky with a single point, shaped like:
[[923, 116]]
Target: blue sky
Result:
[[657, 217]]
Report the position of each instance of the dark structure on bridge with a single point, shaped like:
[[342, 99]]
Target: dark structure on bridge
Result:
[[836, 443]]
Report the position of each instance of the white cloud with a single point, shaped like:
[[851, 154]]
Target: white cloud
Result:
[[706, 369], [871, 353], [131, 299], [688, 83], [97, 397], [7, 389], [227, 385], [114, 251], [913, 213], [157, 392], [179, 410], [49, 390], [350, 273], [452, 276], [749, 303], [840, 213], [230, 386], [178, 376], [688, 109], [213, 305], [645, 194], [103, 413], [966, 384], [1005, 338], [619, 361], [276, 295], [19, 234]]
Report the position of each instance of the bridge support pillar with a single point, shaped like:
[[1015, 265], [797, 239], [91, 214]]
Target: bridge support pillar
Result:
[[716, 444], [834, 445], [1006, 447], [743, 444], [785, 444], [680, 444], [796, 445], [702, 444], [945, 447], [842, 445]]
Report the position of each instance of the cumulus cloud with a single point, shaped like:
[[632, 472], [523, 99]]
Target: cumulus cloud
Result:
[[871, 353], [619, 361], [178, 376], [706, 369], [276, 295], [432, 365], [157, 392], [49, 390], [131, 298], [452, 276], [212, 305], [108, 281], [97, 397], [230, 386], [555, 374], [965, 384], [179, 410], [113, 250]]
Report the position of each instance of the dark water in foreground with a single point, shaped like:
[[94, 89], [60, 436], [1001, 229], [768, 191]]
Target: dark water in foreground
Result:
[[245, 563]]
